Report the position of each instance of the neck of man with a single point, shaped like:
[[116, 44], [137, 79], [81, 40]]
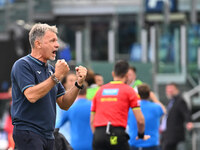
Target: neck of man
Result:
[[123, 79], [132, 83], [36, 54]]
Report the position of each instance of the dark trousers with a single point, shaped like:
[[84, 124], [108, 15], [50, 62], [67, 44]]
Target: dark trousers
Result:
[[146, 148], [27, 140], [168, 146], [116, 140]]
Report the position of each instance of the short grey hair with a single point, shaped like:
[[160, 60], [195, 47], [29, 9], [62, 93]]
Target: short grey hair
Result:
[[38, 31]]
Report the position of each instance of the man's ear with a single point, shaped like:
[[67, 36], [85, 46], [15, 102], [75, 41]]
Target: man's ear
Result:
[[113, 73], [37, 44], [126, 75]]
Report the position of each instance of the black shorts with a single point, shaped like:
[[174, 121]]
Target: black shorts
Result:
[[116, 140], [27, 140], [146, 148]]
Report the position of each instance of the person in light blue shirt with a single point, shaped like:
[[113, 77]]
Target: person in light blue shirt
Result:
[[68, 82], [79, 118], [152, 111]]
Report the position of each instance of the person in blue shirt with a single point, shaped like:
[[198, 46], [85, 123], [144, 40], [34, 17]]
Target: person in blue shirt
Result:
[[36, 89], [152, 111], [79, 118], [68, 82]]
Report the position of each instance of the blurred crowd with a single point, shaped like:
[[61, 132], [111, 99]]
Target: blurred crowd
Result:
[[165, 125]]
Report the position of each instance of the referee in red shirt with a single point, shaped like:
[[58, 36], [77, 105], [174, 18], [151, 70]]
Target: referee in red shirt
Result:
[[110, 110]]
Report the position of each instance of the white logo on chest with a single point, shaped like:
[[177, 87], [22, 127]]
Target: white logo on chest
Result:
[[39, 72], [50, 72]]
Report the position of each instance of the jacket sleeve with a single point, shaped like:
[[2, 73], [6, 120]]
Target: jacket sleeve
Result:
[[184, 110]]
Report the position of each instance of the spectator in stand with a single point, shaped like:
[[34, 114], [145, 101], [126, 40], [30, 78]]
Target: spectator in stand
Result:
[[152, 110], [79, 117]]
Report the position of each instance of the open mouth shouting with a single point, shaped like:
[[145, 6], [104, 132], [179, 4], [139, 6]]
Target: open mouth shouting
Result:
[[54, 52]]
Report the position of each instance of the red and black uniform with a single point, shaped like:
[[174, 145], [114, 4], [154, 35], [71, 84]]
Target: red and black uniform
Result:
[[111, 105]]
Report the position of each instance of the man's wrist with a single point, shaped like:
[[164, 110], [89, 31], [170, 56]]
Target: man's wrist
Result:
[[79, 86], [140, 135], [55, 79]]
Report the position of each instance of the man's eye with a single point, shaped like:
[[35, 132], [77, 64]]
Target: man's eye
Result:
[[53, 40]]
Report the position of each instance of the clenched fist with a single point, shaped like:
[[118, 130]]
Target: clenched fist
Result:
[[81, 73], [61, 69]]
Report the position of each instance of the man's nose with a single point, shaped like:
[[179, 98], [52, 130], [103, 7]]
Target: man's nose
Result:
[[57, 45]]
